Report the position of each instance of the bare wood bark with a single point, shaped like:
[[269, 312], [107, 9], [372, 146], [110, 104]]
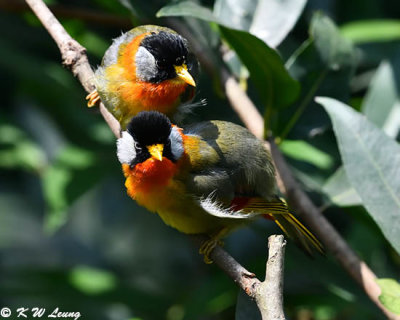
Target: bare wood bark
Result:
[[243, 105], [74, 57], [269, 296]]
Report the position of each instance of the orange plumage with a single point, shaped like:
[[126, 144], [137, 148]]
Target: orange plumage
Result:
[[147, 68], [211, 179]]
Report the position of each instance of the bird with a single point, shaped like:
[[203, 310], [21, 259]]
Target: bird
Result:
[[147, 68], [209, 178]]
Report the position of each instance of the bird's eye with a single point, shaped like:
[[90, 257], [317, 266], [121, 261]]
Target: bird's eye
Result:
[[179, 61], [162, 64]]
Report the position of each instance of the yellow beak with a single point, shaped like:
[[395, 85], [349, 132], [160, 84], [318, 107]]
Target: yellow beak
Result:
[[183, 73], [156, 151]]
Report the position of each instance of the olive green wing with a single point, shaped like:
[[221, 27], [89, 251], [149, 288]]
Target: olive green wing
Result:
[[238, 158]]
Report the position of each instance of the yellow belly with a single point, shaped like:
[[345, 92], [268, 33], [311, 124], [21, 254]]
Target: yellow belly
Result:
[[180, 210]]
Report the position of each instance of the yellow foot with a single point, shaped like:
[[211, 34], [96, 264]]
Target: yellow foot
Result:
[[209, 246], [93, 98]]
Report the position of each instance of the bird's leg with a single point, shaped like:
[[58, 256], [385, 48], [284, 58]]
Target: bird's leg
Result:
[[93, 98], [209, 245]]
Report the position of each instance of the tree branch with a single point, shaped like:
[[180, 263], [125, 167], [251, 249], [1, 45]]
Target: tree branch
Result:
[[73, 56], [269, 296]]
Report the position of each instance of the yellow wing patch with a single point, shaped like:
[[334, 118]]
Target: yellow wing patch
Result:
[[278, 211]]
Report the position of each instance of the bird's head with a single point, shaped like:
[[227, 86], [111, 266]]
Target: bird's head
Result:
[[164, 56], [150, 136]]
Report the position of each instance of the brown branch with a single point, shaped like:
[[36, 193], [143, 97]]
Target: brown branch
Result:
[[74, 57], [268, 294]]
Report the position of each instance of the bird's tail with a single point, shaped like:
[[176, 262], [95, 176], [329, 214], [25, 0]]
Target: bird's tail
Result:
[[277, 210]]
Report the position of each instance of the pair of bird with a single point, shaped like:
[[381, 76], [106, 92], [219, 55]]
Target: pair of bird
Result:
[[208, 178]]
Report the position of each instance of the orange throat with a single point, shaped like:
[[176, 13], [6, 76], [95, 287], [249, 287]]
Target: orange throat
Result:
[[162, 96], [148, 178]]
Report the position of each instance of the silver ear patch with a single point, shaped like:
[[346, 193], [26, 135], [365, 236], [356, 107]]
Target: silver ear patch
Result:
[[176, 143], [146, 67], [126, 150]]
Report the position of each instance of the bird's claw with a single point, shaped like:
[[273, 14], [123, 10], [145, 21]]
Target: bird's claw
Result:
[[207, 247], [93, 98]]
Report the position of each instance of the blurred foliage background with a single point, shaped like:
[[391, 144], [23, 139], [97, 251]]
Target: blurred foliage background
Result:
[[69, 235]]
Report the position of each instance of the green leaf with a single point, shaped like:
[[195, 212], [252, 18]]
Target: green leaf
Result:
[[273, 19], [187, 8], [324, 65], [55, 181], [275, 86], [335, 50], [236, 14], [390, 295], [371, 30], [303, 151], [92, 281], [270, 20], [73, 172], [381, 104], [372, 161], [340, 191], [18, 151]]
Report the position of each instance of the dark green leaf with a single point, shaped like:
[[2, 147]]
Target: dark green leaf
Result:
[[372, 161], [324, 65], [275, 87]]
